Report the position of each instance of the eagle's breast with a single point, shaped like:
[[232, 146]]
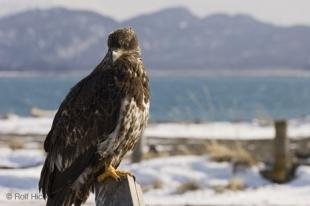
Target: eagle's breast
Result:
[[130, 126], [134, 121], [133, 116]]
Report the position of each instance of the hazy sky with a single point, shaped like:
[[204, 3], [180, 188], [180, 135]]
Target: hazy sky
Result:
[[284, 12]]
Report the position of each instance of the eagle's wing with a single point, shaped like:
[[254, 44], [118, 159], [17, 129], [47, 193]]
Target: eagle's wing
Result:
[[87, 116]]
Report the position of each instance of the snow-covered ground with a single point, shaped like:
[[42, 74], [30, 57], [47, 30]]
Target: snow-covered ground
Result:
[[25, 125], [224, 130], [218, 130], [162, 179]]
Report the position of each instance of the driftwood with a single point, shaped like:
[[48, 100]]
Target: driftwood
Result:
[[125, 192]]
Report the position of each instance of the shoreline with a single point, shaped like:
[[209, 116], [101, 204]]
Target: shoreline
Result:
[[297, 129], [287, 72]]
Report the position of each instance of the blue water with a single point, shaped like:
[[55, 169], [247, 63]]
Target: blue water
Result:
[[179, 98]]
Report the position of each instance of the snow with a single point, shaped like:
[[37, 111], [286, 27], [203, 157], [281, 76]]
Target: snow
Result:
[[174, 171], [25, 125], [171, 172], [162, 178], [78, 45], [20, 158], [216, 130], [224, 130]]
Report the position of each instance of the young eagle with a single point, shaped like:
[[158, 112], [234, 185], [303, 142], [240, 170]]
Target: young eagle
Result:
[[100, 119]]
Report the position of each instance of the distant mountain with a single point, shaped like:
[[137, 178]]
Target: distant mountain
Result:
[[62, 39]]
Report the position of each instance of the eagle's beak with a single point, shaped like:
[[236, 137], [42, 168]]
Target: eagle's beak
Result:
[[116, 54]]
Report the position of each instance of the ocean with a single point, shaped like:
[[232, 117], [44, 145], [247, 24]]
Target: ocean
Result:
[[214, 98]]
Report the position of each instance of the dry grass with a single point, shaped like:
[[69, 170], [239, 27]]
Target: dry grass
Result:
[[180, 149], [187, 186], [243, 158], [158, 184], [16, 144], [235, 184], [218, 188], [152, 155], [236, 154], [219, 153]]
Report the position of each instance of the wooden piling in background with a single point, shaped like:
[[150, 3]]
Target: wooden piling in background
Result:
[[282, 157], [283, 168], [137, 152]]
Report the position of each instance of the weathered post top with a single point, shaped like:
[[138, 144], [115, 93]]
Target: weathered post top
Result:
[[125, 192]]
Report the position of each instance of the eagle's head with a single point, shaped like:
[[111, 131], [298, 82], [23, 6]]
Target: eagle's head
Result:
[[122, 41]]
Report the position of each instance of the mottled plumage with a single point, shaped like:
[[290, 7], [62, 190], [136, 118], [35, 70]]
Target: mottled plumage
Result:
[[100, 119]]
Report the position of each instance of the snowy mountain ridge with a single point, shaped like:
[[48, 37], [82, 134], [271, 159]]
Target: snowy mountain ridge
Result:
[[61, 39]]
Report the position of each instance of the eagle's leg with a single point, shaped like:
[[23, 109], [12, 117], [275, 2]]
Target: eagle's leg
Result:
[[110, 171]]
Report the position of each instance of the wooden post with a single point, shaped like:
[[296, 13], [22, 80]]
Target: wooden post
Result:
[[125, 192], [282, 156], [281, 143], [137, 152], [283, 168]]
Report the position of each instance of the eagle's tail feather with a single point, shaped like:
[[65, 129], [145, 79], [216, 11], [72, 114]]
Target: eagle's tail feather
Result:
[[44, 179], [71, 186], [57, 200]]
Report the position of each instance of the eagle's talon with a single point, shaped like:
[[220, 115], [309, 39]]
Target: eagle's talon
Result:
[[117, 175], [108, 172], [123, 173]]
